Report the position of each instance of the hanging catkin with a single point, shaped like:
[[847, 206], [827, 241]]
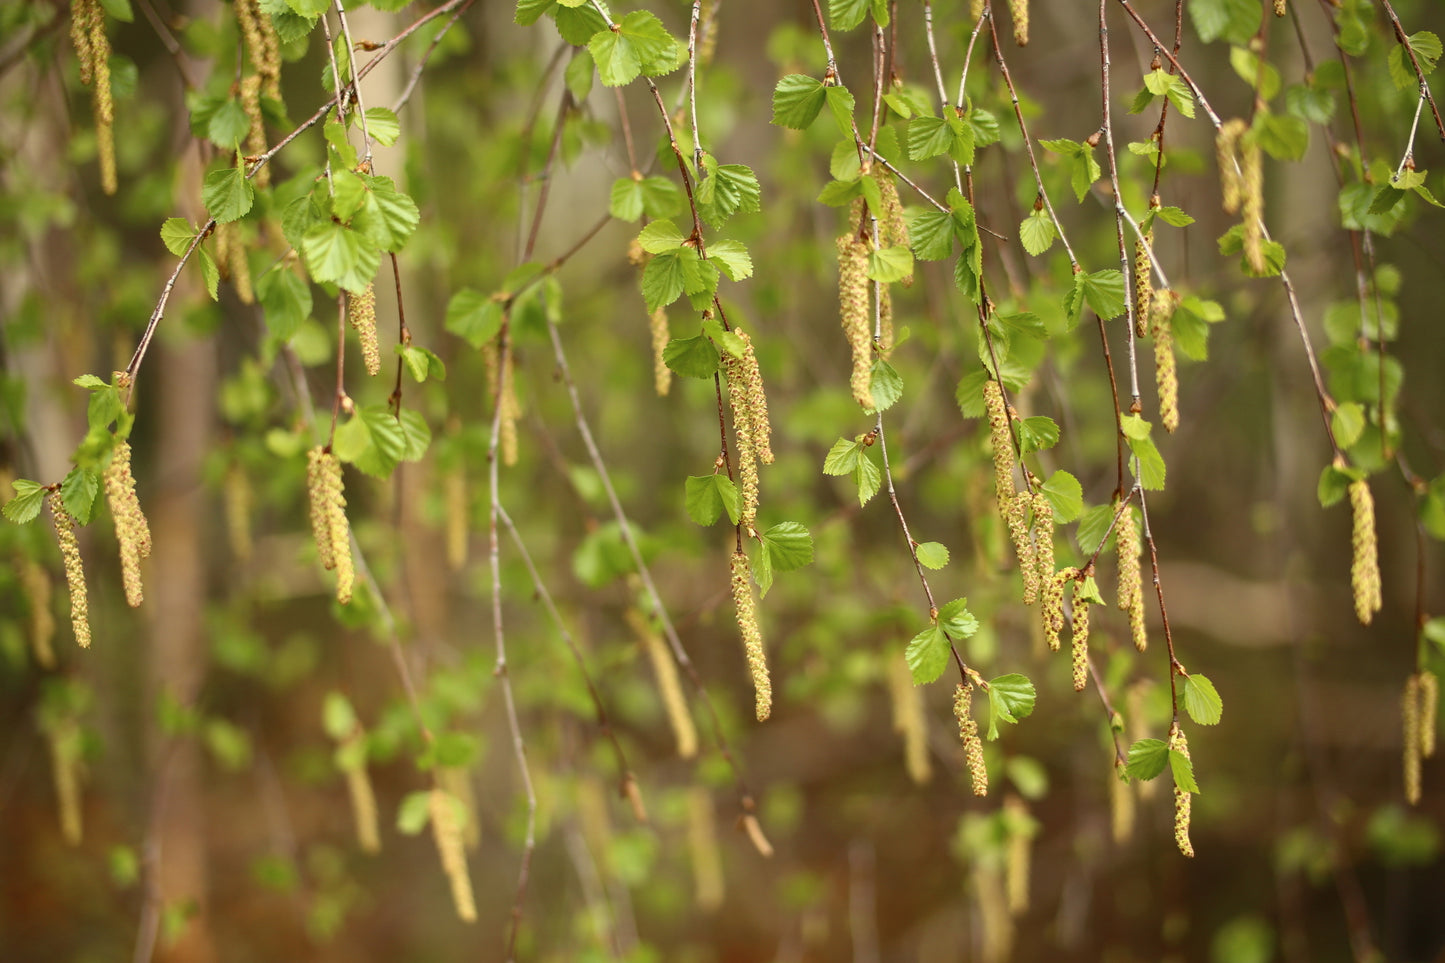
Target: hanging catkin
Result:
[[747, 613], [1179, 743], [74, 570], [1365, 562]]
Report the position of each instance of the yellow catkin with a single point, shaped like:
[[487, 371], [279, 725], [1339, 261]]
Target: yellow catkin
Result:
[[1131, 580], [747, 613], [454, 483], [236, 493], [885, 317], [757, 401], [1121, 806], [1016, 857], [74, 570], [661, 334], [975, 9], [1429, 711], [1251, 163], [968, 734], [909, 720], [256, 135], [995, 922], [35, 582], [131, 529], [361, 312], [457, 781], [1001, 442], [1166, 372], [240, 266], [1138, 721], [1017, 517], [754, 829], [511, 410], [363, 802], [1053, 605], [893, 227], [633, 793], [328, 519], [446, 825], [1410, 716], [1225, 142], [80, 38], [1178, 742], [1365, 561], [1143, 281], [63, 739], [1042, 545], [1280, 8], [684, 731], [1019, 11], [853, 310], [707, 32], [747, 448], [92, 48], [1079, 642], [707, 873]]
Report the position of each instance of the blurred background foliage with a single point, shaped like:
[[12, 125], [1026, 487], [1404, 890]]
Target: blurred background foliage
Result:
[[214, 822]]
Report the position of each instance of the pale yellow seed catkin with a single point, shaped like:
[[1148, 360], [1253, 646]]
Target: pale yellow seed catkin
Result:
[[1079, 642], [757, 401], [747, 449], [754, 829], [1429, 712], [1017, 517], [316, 500], [1280, 8], [451, 847], [236, 493], [661, 334], [103, 105], [669, 686], [1410, 717], [363, 805], [968, 734], [1166, 371], [1178, 742], [1016, 861], [995, 922], [975, 9], [256, 135], [361, 312], [63, 739], [1121, 806], [707, 872], [1042, 545], [131, 529], [1000, 442], [1225, 142], [1019, 11], [1131, 580], [742, 590], [1365, 561], [36, 583], [1251, 207], [457, 781], [909, 720], [707, 32], [633, 794], [1143, 282], [74, 570], [894, 228], [454, 484], [853, 310], [80, 38], [511, 411], [327, 498]]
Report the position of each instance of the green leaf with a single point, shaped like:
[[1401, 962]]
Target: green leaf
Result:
[[473, 316], [414, 812], [423, 363], [890, 264], [90, 382], [1037, 232], [663, 280], [1261, 75], [1147, 759], [886, 385], [1235, 21], [706, 497], [338, 718], [927, 655], [657, 197], [797, 100], [1150, 466], [227, 194], [1037, 433], [847, 14], [1333, 484], [1202, 701], [732, 258], [389, 217], [1183, 771], [286, 301], [1348, 422], [348, 194], [375, 441], [692, 357], [728, 189], [77, 493], [336, 253], [209, 274], [1426, 47], [932, 555], [1173, 216], [228, 125], [931, 234], [843, 457], [789, 546], [660, 237], [25, 506], [1010, 698], [1065, 495], [840, 102], [383, 126], [638, 44], [868, 477], [1103, 292], [958, 621], [1282, 136], [932, 136]]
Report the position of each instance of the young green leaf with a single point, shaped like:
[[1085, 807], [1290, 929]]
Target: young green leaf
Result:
[[927, 655], [692, 357], [789, 546], [473, 316], [843, 457], [707, 496], [728, 189], [887, 385], [1037, 433], [1010, 698], [732, 258], [414, 812], [797, 100], [847, 14], [1147, 759], [285, 300], [177, 235], [890, 264], [932, 555], [1037, 232], [336, 253], [638, 44], [227, 194], [958, 621], [77, 493], [1183, 771], [1065, 495], [25, 506], [1201, 700]]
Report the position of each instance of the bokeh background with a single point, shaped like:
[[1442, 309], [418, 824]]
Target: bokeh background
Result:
[[216, 823]]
